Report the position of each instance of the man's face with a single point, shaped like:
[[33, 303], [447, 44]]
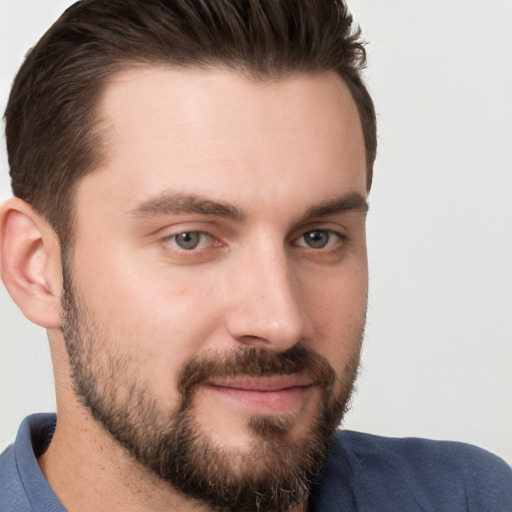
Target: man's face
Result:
[[217, 281]]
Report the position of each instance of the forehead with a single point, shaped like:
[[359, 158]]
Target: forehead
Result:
[[198, 130]]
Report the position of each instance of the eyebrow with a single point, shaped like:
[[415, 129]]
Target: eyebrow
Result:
[[179, 203], [349, 202]]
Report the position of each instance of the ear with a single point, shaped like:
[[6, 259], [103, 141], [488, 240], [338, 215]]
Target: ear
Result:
[[30, 262]]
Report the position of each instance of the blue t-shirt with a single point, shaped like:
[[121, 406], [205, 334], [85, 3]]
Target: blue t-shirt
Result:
[[364, 473]]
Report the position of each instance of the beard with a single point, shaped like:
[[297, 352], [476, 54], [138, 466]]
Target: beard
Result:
[[275, 473]]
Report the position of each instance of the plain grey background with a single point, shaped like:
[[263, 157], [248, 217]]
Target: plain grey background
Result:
[[438, 350]]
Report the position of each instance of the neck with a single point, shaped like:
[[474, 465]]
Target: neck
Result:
[[89, 471]]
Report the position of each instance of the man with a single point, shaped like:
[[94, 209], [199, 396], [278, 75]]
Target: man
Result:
[[189, 226]]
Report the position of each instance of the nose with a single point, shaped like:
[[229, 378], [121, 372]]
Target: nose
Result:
[[266, 308]]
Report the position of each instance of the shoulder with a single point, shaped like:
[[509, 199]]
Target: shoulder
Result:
[[23, 487], [418, 474], [423, 455], [12, 495]]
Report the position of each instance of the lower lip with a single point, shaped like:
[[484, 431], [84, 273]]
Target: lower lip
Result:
[[262, 402]]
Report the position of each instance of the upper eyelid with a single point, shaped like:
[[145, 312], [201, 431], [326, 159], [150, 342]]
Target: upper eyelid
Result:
[[185, 227], [182, 231], [294, 235], [319, 226], [223, 232], [199, 231], [325, 230]]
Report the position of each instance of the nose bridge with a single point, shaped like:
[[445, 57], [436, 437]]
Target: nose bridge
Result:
[[268, 308]]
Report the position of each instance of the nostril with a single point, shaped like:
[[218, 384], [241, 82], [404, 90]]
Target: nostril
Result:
[[249, 339]]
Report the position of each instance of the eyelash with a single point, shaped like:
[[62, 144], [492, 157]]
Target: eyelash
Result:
[[174, 238], [202, 235], [330, 243]]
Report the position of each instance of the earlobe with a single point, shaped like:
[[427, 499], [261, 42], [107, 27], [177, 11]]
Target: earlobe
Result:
[[30, 262]]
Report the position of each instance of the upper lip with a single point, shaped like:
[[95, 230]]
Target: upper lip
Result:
[[271, 383]]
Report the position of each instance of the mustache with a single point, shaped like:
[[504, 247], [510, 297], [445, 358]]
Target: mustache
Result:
[[256, 362]]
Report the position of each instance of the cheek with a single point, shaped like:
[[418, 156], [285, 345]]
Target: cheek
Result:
[[157, 320], [138, 294], [339, 312]]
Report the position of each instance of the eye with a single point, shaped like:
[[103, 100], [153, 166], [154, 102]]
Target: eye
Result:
[[190, 240], [318, 239]]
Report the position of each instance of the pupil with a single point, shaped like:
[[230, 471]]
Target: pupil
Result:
[[187, 240], [317, 239]]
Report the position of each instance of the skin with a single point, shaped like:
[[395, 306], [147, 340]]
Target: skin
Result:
[[271, 152]]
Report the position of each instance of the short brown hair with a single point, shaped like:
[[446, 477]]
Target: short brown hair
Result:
[[52, 131]]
